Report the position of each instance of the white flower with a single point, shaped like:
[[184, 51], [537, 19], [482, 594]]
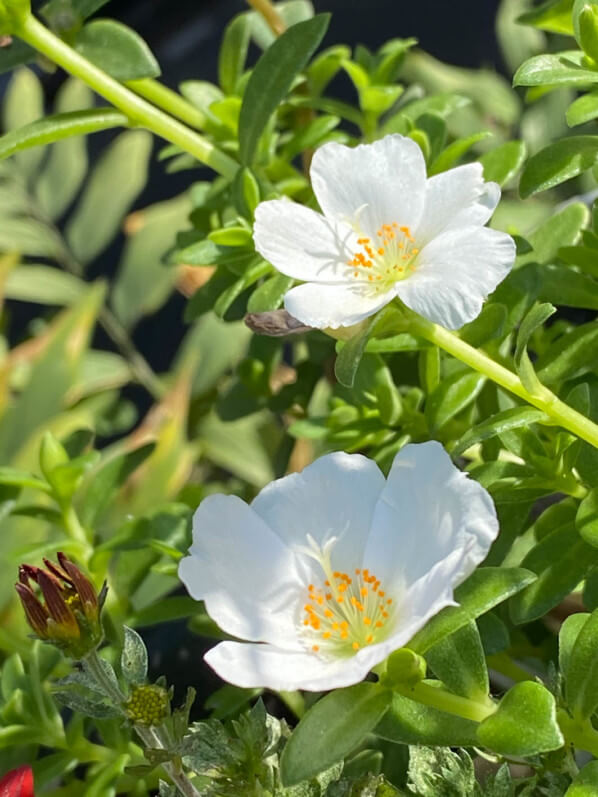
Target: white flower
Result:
[[386, 231], [331, 569]]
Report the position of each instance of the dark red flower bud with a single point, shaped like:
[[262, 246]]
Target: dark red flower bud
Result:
[[69, 614]]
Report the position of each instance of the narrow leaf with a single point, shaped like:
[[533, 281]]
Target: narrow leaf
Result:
[[59, 126], [273, 76], [332, 729]]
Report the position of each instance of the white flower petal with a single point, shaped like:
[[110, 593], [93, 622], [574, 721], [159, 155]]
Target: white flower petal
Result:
[[455, 273], [335, 496], [387, 177], [301, 243], [334, 306], [456, 198], [429, 511], [244, 572], [251, 666]]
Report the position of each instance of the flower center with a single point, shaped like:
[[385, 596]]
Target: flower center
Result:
[[348, 612], [386, 260]]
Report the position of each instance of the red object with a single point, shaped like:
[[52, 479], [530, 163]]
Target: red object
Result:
[[17, 783]]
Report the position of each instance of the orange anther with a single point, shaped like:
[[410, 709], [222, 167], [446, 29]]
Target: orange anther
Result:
[[378, 623], [344, 625], [389, 601], [369, 639], [363, 591], [355, 645], [327, 634], [382, 593], [381, 251], [367, 621], [340, 599], [328, 613], [357, 571], [329, 596], [315, 648]]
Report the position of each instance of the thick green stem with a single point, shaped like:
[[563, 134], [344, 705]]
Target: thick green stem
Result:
[[440, 699], [138, 110], [169, 101], [582, 736], [149, 736], [543, 399]]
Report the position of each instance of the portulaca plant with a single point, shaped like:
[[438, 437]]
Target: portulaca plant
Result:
[[357, 528]]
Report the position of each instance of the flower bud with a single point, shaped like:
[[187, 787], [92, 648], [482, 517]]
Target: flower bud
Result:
[[12, 14], [404, 667], [148, 705], [17, 783], [51, 454], [588, 31], [67, 612]]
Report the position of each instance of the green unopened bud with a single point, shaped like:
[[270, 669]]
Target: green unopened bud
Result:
[[51, 455], [404, 667], [12, 14], [148, 705], [588, 31]]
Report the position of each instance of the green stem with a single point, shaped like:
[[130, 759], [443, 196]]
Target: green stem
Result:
[[440, 699], [543, 398], [73, 526], [581, 735], [138, 110], [149, 736], [168, 100]]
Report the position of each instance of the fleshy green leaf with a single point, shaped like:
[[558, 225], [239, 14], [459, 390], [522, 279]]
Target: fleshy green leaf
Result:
[[553, 70], [561, 559], [552, 15], [513, 418], [233, 52], [62, 125], [586, 520], [568, 633], [272, 78], [558, 162], [459, 662], [410, 722], [484, 589], [582, 670], [452, 396], [331, 729], [117, 50], [67, 162], [114, 184], [583, 109], [524, 723], [455, 152], [108, 478], [504, 162], [537, 315], [585, 783]]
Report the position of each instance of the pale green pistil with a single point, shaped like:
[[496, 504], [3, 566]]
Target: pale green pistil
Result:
[[388, 259]]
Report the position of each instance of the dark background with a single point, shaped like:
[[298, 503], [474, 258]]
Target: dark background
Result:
[[184, 34]]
